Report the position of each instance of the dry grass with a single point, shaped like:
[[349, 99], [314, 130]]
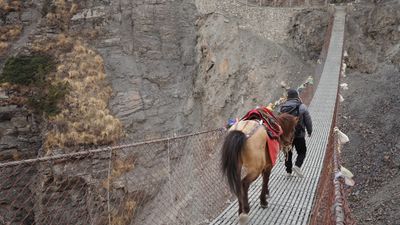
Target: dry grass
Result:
[[126, 210], [119, 168], [125, 214], [18, 96], [8, 33], [57, 47], [3, 47], [61, 14], [85, 118], [89, 33], [122, 166], [16, 156], [8, 6]]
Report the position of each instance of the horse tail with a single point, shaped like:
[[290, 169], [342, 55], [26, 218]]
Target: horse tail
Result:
[[231, 149]]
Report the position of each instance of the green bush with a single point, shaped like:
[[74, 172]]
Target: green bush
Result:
[[26, 70], [45, 97], [46, 100]]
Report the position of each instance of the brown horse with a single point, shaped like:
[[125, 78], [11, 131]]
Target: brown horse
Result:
[[246, 146]]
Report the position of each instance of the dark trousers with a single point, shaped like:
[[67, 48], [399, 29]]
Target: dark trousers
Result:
[[301, 149]]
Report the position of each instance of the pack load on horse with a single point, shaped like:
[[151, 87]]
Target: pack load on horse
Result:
[[253, 143]]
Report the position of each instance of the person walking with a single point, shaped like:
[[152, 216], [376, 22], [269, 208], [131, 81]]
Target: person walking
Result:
[[294, 106]]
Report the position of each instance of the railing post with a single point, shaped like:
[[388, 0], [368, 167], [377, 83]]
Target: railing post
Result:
[[109, 186]]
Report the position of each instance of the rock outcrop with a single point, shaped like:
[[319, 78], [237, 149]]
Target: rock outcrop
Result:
[[308, 30], [373, 36], [240, 70], [20, 139], [149, 52]]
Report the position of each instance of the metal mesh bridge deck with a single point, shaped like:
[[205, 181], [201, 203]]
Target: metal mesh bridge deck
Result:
[[292, 198]]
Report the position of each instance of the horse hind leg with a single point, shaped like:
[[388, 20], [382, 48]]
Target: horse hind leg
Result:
[[247, 180], [265, 190]]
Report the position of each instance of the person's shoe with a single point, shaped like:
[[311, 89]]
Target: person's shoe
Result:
[[288, 174], [297, 170]]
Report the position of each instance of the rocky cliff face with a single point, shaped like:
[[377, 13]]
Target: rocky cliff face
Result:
[[373, 36], [156, 53], [20, 134], [149, 52], [241, 68], [308, 30]]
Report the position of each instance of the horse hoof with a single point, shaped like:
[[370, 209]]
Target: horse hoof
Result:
[[264, 205], [243, 219]]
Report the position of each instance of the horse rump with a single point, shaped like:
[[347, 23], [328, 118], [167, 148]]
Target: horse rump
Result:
[[230, 161]]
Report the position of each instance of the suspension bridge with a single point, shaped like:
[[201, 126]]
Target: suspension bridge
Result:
[[167, 181], [292, 198]]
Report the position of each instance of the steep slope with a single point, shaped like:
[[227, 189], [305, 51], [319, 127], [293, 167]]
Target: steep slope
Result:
[[240, 70], [369, 114]]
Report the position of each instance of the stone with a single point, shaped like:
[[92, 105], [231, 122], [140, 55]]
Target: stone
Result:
[[3, 94], [27, 16], [12, 18], [7, 142], [20, 121], [92, 13], [308, 30], [128, 103], [5, 116], [8, 154]]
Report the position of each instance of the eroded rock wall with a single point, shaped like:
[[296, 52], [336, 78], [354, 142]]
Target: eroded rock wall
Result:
[[373, 36], [149, 52], [239, 70]]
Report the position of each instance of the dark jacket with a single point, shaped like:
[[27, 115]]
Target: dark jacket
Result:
[[295, 107]]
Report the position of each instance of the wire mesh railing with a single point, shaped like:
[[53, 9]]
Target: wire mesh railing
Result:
[[340, 207], [331, 205], [166, 181]]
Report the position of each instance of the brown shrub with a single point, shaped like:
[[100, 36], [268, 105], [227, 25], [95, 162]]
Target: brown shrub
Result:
[[59, 12], [8, 33], [3, 47], [85, 114], [8, 6]]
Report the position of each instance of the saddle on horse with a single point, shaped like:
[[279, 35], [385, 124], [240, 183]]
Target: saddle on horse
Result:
[[269, 121], [272, 127]]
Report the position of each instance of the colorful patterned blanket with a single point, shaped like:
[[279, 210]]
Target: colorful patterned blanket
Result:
[[272, 127]]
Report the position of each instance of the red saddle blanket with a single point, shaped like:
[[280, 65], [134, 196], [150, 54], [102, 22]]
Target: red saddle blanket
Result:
[[272, 127], [273, 147]]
